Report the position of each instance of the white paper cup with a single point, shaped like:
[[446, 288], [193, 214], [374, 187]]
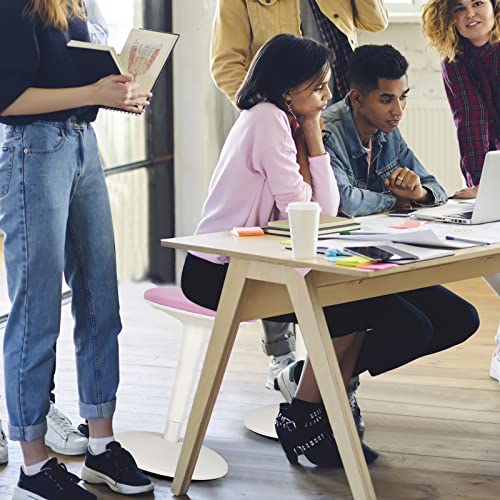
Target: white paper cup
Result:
[[303, 217]]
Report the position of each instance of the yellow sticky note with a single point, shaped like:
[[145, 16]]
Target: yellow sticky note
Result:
[[353, 261]]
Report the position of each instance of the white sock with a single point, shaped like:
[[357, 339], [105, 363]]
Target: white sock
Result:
[[31, 470], [98, 445]]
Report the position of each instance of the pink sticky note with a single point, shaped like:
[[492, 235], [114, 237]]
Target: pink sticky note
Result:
[[407, 224], [378, 267]]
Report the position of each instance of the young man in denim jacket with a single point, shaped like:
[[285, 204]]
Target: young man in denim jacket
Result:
[[375, 169]]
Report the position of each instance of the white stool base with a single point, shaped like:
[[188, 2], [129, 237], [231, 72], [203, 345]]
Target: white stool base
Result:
[[158, 456], [261, 420]]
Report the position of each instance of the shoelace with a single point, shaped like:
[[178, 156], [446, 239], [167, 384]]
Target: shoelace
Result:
[[61, 476], [61, 421], [123, 460]]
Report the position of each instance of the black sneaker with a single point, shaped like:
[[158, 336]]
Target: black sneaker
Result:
[[117, 468], [84, 429], [53, 482]]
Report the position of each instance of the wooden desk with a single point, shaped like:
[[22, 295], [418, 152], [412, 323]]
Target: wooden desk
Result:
[[262, 281]]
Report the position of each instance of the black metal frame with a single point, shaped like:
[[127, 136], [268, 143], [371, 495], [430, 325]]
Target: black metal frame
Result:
[[160, 145]]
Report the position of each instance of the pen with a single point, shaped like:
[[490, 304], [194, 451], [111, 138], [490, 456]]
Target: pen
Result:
[[467, 240]]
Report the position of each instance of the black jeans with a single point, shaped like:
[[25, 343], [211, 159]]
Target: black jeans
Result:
[[403, 326]]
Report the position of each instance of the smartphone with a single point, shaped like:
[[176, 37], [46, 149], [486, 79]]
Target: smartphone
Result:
[[382, 253], [374, 253], [401, 212]]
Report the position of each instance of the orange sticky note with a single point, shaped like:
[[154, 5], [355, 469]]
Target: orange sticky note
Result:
[[247, 231]]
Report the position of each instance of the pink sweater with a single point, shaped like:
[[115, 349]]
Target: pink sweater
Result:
[[258, 176]]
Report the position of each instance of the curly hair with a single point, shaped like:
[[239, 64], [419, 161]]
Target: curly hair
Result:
[[55, 13], [438, 19]]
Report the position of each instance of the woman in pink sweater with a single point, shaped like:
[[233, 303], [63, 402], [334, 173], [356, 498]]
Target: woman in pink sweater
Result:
[[274, 155]]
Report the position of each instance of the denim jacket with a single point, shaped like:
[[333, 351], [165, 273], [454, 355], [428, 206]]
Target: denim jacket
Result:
[[363, 192]]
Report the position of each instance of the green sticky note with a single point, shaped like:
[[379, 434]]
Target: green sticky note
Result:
[[353, 261]]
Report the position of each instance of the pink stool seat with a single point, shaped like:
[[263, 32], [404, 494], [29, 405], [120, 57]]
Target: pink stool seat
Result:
[[174, 298]]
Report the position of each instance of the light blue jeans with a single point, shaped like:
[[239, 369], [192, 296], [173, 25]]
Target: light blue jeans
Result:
[[55, 213]]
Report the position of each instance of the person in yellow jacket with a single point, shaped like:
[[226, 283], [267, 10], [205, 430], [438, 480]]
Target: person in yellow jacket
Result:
[[241, 27]]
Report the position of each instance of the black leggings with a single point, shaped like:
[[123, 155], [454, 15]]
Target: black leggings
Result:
[[404, 326]]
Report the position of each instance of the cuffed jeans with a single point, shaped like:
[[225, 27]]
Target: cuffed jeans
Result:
[[278, 339], [55, 213]]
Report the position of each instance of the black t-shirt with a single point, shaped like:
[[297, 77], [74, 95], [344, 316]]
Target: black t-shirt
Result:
[[34, 56]]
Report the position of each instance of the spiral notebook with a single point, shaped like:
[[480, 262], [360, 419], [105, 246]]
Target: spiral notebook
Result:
[[143, 56]]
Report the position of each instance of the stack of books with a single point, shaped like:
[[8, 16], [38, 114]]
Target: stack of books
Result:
[[327, 226]]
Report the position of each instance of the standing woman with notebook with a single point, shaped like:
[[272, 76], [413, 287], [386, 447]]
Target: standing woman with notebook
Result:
[[467, 34], [55, 213]]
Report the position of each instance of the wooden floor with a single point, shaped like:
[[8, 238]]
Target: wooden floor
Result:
[[435, 422]]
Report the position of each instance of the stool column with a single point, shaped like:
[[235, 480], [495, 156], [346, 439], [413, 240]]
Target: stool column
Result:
[[185, 378]]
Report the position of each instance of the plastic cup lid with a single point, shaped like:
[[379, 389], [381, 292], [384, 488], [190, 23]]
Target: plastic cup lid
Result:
[[303, 205]]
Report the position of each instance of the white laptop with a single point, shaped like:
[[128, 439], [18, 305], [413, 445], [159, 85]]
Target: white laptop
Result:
[[486, 208]]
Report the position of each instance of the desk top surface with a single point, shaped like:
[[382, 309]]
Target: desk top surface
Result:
[[269, 249]]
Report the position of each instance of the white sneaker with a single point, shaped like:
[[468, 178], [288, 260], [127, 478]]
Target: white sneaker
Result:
[[495, 365], [4, 448], [276, 365], [288, 379], [61, 436]]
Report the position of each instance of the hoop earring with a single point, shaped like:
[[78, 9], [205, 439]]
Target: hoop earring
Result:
[[289, 103]]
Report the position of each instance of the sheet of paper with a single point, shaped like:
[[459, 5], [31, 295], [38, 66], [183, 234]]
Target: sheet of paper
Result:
[[424, 236]]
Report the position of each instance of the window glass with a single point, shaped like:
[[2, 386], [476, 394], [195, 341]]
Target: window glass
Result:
[[121, 137]]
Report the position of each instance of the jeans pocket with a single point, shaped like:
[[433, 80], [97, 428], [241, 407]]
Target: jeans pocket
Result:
[[6, 166], [43, 138]]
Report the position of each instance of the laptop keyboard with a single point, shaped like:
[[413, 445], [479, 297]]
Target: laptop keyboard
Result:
[[463, 215]]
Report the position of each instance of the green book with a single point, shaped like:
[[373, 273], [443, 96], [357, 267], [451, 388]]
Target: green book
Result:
[[327, 225]]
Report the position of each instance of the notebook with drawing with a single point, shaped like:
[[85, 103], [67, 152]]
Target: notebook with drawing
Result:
[[486, 208], [143, 56]]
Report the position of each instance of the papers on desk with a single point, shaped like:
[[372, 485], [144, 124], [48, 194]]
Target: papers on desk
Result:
[[422, 253], [431, 234], [426, 237], [431, 241]]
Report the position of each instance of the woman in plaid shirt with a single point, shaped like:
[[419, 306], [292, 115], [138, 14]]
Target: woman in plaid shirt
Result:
[[467, 33]]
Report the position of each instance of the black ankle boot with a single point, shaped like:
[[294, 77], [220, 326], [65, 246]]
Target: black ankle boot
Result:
[[355, 409], [306, 432], [303, 429]]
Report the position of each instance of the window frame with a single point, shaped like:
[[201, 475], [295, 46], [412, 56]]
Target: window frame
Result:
[[405, 11]]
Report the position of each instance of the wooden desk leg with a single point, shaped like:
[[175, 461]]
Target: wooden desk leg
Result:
[[305, 300], [219, 349]]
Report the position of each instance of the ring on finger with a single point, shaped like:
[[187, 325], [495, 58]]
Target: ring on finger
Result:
[[399, 177]]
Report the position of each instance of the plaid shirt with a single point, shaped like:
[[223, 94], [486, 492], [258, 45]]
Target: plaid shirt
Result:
[[335, 40], [472, 85]]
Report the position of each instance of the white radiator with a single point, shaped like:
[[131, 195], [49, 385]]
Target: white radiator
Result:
[[128, 194], [428, 128]]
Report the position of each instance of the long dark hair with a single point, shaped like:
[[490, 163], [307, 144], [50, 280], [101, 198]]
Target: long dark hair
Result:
[[282, 63]]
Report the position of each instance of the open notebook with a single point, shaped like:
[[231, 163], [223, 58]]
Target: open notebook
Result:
[[143, 56]]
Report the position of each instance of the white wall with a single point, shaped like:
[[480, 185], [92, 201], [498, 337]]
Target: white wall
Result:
[[202, 114], [424, 73]]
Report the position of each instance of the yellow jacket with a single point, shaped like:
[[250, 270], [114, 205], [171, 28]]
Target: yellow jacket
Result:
[[241, 27]]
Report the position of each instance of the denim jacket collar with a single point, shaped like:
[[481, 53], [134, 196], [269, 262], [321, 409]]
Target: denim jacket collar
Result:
[[342, 110]]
